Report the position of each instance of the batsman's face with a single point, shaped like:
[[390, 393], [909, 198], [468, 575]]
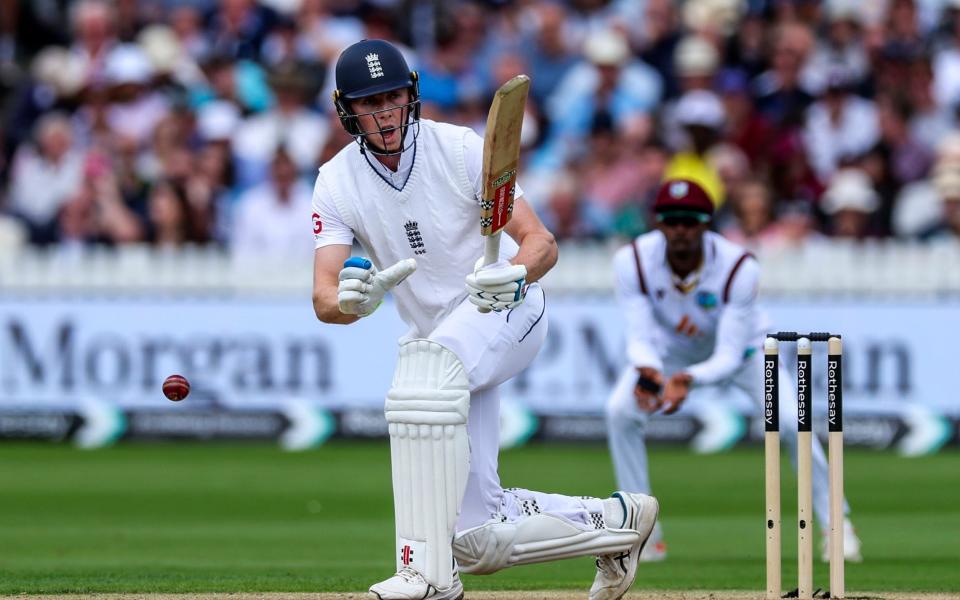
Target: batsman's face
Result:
[[381, 117]]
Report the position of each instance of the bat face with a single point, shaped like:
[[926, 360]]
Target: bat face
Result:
[[501, 154]]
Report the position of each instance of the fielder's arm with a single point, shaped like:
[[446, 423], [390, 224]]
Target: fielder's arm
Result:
[[327, 263], [538, 248], [641, 325]]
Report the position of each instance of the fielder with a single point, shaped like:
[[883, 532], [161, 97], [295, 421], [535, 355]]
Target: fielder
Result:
[[408, 190], [689, 299]]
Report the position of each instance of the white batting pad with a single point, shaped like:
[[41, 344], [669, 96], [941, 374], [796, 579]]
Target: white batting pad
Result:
[[539, 538], [426, 410]]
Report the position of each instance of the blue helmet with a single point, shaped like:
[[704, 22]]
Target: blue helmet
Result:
[[367, 68]]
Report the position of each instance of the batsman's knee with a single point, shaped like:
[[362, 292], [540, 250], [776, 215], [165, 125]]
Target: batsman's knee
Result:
[[430, 386]]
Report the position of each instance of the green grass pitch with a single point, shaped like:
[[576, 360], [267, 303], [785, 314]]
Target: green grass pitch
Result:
[[246, 518]]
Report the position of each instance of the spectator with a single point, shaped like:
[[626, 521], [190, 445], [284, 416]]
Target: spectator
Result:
[[548, 51], [96, 214], [610, 179], [172, 63], [929, 121], [135, 108], [290, 123], [779, 92], [186, 21], [696, 62], [568, 216], [321, 34], [270, 215], [918, 210], [610, 80], [849, 202], [701, 117], [94, 29], [241, 82], [758, 224], [129, 83], [839, 126], [44, 176], [947, 185], [909, 159], [748, 49], [170, 217], [238, 27], [842, 48], [659, 41], [745, 127], [56, 80]]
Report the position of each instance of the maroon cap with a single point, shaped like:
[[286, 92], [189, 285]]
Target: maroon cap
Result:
[[683, 197]]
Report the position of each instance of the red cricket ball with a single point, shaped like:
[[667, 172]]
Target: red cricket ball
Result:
[[176, 387]]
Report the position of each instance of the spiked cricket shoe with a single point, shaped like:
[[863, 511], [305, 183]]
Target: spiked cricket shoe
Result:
[[408, 584], [616, 572]]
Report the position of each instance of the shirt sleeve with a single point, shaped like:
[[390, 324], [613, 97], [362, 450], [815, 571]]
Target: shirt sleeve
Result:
[[328, 226], [473, 159], [735, 328], [636, 306]]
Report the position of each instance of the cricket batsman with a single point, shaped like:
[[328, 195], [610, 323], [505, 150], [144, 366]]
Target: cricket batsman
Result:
[[689, 298], [408, 190]]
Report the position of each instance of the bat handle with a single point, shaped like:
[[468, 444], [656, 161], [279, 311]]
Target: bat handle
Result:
[[491, 249], [491, 254]]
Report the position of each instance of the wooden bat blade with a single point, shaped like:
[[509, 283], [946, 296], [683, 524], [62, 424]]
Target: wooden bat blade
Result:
[[501, 154]]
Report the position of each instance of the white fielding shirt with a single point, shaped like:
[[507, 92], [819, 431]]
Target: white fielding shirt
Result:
[[434, 218], [710, 329]]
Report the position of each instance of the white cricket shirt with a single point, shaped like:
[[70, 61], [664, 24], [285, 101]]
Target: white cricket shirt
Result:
[[434, 218], [711, 327]]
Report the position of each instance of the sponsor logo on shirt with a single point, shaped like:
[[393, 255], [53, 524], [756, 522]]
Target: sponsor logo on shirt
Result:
[[706, 300], [317, 224]]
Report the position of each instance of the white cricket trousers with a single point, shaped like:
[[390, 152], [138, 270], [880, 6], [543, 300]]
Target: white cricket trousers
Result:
[[495, 347], [626, 426]]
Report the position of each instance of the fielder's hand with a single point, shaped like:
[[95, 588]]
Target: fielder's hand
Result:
[[496, 287], [647, 390], [675, 392], [362, 287]]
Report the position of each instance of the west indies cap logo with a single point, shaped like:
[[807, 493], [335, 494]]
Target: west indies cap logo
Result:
[[679, 189]]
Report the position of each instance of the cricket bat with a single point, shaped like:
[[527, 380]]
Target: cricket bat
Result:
[[501, 155]]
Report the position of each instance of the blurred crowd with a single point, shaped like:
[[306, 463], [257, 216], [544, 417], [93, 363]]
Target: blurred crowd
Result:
[[173, 122]]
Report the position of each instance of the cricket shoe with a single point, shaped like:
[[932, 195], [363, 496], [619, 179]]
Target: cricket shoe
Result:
[[851, 544], [616, 572], [408, 584], [655, 550]]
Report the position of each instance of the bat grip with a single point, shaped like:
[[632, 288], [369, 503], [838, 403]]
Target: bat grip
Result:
[[491, 254], [491, 249]]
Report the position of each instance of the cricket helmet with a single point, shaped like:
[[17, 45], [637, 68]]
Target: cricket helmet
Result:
[[367, 68]]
